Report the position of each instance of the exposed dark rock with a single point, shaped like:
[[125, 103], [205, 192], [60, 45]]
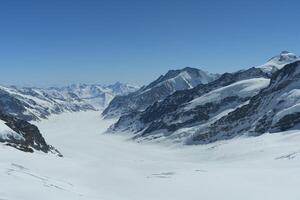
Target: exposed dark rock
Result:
[[158, 90], [288, 122], [170, 114], [257, 117], [31, 139]]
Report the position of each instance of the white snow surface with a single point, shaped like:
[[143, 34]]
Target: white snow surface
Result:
[[278, 62], [99, 166], [97, 95], [244, 88], [6, 132], [291, 104], [185, 80], [41, 102]]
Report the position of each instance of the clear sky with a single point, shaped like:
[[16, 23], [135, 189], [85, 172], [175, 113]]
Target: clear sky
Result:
[[54, 42]]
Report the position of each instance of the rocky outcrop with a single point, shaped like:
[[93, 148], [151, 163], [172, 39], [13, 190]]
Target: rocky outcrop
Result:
[[276, 108], [22, 135], [249, 102], [195, 106]]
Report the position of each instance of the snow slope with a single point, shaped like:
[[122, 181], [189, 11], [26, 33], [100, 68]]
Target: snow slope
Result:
[[97, 95], [99, 166], [7, 133], [242, 89], [190, 108], [220, 109], [159, 89], [38, 103], [23, 136], [278, 62]]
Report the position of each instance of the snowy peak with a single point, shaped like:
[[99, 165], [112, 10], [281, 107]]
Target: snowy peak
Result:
[[90, 90], [122, 88], [185, 78], [284, 56], [199, 106], [98, 95], [38, 103], [95, 94], [276, 108], [246, 102], [165, 85], [279, 61]]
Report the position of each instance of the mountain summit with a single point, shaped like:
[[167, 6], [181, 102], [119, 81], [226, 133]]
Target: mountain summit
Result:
[[279, 61], [247, 102], [165, 85], [38, 103]]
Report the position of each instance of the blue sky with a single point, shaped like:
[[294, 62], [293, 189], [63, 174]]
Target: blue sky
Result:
[[60, 42]]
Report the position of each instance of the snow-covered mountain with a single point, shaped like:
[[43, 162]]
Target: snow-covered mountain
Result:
[[267, 165], [173, 80], [234, 104], [279, 61], [19, 105], [38, 103], [276, 108], [245, 103], [23, 135], [195, 106], [96, 95]]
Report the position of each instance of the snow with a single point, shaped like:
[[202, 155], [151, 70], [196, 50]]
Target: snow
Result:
[[185, 80], [109, 167], [183, 135], [244, 88], [39, 103], [290, 104], [278, 62], [6, 132]]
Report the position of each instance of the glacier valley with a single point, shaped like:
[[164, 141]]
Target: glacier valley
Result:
[[111, 167]]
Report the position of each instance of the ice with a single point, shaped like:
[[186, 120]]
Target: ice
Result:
[[6, 132], [100, 166], [278, 62], [244, 88]]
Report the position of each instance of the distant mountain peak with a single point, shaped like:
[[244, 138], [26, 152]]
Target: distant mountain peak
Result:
[[284, 56], [184, 73], [38, 103], [285, 52], [279, 61], [163, 86]]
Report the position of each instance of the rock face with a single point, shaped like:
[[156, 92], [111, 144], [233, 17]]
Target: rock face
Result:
[[276, 108], [38, 103], [195, 106], [174, 80], [250, 102], [23, 135], [20, 105]]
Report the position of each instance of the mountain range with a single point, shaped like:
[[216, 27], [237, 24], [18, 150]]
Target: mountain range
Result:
[[38, 103], [173, 80], [254, 101], [188, 106], [20, 105]]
